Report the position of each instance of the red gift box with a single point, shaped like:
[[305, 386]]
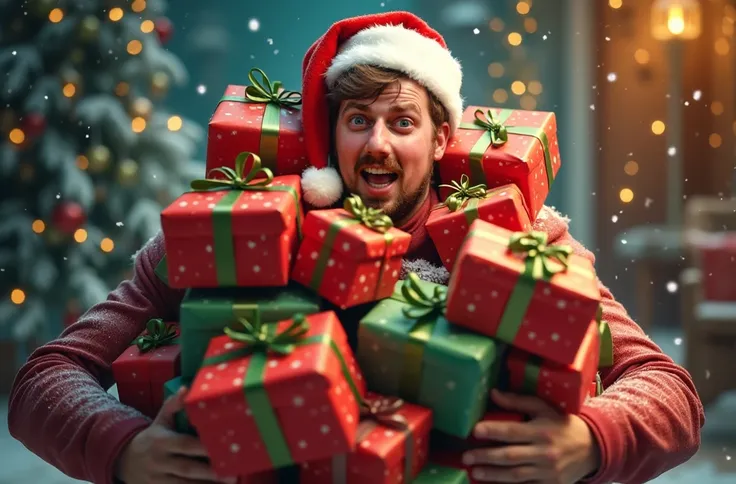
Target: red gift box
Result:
[[276, 395], [259, 119], [528, 158], [566, 387], [350, 255], [515, 288], [448, 223], [392, 446], [244, 236], [717, 260], [142, 370]]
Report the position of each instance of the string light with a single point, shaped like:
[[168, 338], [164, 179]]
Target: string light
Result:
[[122, 88], [17, 136], [69, 89], [495, 69], [174, 123], [641, 56], [523, 8], [80, 235], [528, 102], [107, 245], [115, 14], [530, 25], [658, 127], [82, 162], [500, 96], [631, 168], [722, 47], [138, 6], [514, 38], [38, 226], [138, 124], [615, 3], [56, 15], [135, 47], [496, 24], [518, 88], [626, 195], [535, 87], [716, 108], [715, 140], [147, 26], [17, 296]]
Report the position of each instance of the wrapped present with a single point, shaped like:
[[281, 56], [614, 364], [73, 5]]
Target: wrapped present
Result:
[[262, 118], [392, 444], [453, 459], [596, 387], [141, 371], [286, 475], [350, 256], [278, 394], [205, 313], [565, 387], [514, 287], [501, 146], [437, 474], [181, 421], [715, 254], [448, 223], [440, 441], [242, 231], [407, 348], [605, 358]]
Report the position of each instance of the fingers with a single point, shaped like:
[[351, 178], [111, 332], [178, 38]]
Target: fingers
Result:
[[507, 474], [189, 469], [507, 455], [171, 406], [186, 445], [509, 432], [533, 406]]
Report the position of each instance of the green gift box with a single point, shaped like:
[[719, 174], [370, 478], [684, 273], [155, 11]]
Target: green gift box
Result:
[[435, 474], [407, 348], [205, 313], [181, 422]]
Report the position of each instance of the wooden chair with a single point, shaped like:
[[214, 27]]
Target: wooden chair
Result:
[[709, 327]]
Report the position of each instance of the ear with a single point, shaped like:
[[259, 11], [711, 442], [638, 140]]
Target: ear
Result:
[[443, 136]]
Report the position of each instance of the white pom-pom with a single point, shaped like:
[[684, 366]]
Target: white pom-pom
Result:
[[321, 187]]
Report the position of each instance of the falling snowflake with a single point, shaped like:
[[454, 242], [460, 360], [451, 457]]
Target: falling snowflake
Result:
[[275, 52], [671, 151], [648, 202], [687, 103], [614, 219], [58, 196], [119, 224], [476, 31], [623, 241], [270, 41], [608, 39], [678, 341], [697, 94], [544, 37], [383, 4], [201, 89], [728, 457], [611, 77], [254, 25], [592, 107], [672, 287]]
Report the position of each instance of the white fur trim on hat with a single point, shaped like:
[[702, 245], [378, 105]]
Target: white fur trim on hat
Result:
[[420, 58], [321, 187]]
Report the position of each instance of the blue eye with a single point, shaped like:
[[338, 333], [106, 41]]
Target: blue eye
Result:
[[405, 123], [357, 120]]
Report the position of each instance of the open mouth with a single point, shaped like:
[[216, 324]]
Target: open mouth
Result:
[[378, 177]]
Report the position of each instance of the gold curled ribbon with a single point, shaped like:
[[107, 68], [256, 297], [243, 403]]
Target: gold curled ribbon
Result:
[[499, 133], [421, 304], [265, 91], [372, 218], [539, 255], [282, 342], [157, 334], [236, 179], [463, 192]]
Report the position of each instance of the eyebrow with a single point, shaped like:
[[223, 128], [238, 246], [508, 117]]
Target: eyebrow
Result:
[[399, 107]]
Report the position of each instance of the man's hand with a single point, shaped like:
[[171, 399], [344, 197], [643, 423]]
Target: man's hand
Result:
[[160, 455], [550, 449]]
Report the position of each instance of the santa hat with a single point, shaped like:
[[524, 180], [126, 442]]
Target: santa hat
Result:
[[395, 40]]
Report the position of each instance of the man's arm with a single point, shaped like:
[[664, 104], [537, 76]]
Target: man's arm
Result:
[[59, 406]]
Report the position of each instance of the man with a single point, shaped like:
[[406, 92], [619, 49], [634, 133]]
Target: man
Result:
[[392, 99]]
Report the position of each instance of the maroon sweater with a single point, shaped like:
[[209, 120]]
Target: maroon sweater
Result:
[[646, 422]]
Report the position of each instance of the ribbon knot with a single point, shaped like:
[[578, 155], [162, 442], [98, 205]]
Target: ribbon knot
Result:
[[421, 304], [236, 179], [498, 132], [157, 334], [539, 255], [463, 192], [372, 218], [265, 91], [257, 339], [383, 410]]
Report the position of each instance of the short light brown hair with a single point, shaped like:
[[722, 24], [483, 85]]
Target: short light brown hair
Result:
[[368, 82]]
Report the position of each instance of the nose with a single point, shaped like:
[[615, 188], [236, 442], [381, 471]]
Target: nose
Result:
[[378, 145]]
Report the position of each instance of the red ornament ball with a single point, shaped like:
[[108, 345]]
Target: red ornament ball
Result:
[[33, 124], [164, 29], [68, 217]]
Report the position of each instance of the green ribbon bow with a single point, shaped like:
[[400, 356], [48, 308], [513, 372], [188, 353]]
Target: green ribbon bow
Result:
[[157, 334], [538, 254], [605, 358], [372, 218], [265, 91], [463, 193], [282, 342], [421, 304], [499, 133], [236, 179]]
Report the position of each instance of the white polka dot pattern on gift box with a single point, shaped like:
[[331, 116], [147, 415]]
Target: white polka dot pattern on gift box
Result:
[[263, 235], [555, 320], [236, 127], [312, 402], [357, 267], [520, 161], [503, 206]]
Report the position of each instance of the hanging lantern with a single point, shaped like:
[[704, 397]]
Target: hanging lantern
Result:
[[676, 19]]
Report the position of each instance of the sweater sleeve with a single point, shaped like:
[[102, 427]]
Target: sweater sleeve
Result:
[[59, 406], [648, 419]]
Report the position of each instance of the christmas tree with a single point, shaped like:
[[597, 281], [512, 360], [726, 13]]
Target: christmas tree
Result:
[[88, 157]]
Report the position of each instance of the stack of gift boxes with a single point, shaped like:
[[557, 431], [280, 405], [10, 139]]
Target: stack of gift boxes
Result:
[[277, 394]]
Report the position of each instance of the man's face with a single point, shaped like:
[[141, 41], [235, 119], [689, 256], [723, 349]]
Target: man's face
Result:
[[386, 148]]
